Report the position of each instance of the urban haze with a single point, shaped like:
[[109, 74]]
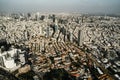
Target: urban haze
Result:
[[79, 6]]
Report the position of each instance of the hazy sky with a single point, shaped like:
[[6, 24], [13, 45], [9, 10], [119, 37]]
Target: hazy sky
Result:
[[82, 6]]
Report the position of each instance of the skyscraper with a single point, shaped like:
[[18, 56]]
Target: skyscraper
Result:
[[48, 31], [80, 36]]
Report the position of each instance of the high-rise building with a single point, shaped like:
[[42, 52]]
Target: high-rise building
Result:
[[53, 16], [41, 31], [48, 31], [56, 27], [80, 36], [71, 37], [37, 16], [26, 33]]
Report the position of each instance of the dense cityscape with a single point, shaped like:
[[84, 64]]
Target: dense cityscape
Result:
[[59, 46]]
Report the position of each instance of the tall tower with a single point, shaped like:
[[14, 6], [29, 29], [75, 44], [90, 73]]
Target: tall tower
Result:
[[48, 31], [41, 31], [56, 27], [37, 16], [70, 35], [80, 38], [26, 34], [53, 16]]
